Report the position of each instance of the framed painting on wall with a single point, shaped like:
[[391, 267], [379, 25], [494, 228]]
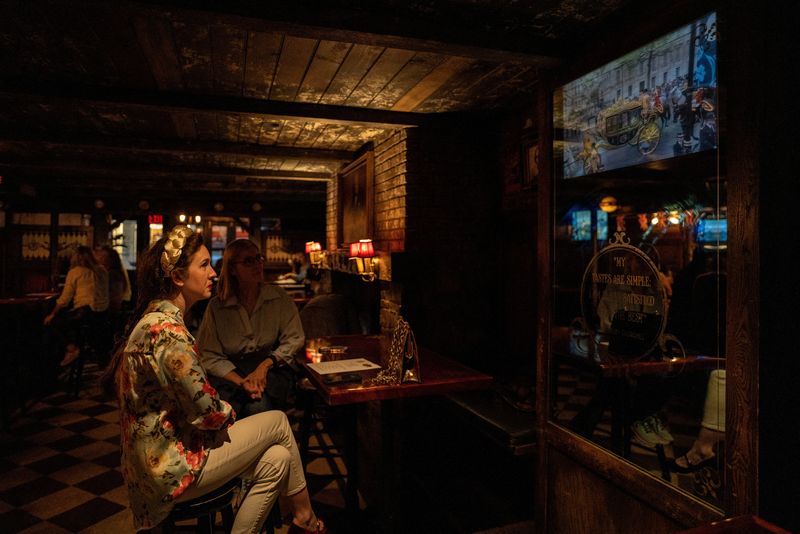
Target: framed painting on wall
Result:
[[356, 202], [530, 162]]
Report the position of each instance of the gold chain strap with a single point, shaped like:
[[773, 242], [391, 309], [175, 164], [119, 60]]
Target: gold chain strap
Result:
[[393, 373]]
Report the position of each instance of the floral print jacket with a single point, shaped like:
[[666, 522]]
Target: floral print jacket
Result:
[[170, 416]]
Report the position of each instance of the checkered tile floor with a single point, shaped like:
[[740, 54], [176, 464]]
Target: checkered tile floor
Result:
[[59, 468]]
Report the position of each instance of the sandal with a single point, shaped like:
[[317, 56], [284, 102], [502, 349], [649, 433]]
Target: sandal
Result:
[[690, 467], [319, 528]]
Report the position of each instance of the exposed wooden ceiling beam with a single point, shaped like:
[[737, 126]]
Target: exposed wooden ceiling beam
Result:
[[176, 147], [90, 184], [184, 102], [123, 168], [364, 25]]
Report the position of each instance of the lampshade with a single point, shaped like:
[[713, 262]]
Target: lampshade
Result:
[[312, 246], [309, 245], [362, 249]]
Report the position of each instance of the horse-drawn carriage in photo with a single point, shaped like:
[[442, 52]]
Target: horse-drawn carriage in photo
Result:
[[630, 122]]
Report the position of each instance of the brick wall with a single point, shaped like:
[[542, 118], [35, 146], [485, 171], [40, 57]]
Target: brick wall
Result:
[[438, 213], [390, 192], [331, 221]]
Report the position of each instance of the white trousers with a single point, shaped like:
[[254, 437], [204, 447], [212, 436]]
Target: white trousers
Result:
[[714, 410], [262, 450]]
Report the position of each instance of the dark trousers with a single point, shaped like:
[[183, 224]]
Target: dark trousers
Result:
[[280, 382]]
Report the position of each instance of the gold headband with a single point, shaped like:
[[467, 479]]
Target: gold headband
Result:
[[173, 248]]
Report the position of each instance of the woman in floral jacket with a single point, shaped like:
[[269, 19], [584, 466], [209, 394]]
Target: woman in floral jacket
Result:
[[179, 440]]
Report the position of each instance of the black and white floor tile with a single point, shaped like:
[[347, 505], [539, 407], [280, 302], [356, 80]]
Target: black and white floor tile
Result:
[[59, 468]]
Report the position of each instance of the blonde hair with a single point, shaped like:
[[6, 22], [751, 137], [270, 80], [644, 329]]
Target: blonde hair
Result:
[[228, 284], [84, 257]]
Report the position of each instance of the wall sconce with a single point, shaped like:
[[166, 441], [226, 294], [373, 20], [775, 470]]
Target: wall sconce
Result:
[[363, 254], [315, 254]]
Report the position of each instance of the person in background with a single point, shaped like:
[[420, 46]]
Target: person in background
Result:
[[179, 439], [250, 333], [299, 272], [86, 288], [119, 286]]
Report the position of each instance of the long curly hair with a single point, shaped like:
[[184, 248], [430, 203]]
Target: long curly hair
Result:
[[153, 283]]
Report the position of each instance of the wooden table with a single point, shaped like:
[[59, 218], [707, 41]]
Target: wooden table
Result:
[[440, 375]]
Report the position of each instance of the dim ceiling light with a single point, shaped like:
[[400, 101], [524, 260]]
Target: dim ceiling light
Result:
[[197, 219], [182, 217], [608, 204]]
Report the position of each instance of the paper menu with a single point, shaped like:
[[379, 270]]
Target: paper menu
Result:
[[343, 366]]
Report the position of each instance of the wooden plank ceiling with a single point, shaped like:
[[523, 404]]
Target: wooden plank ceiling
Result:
[[247, 95]]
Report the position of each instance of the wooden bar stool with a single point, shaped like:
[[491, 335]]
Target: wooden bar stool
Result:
[[205, 508]]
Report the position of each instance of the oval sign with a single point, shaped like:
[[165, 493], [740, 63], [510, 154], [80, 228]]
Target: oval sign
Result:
[[623, 301]]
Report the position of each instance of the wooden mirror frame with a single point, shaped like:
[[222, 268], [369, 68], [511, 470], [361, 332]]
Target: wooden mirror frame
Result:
[[737, 154]]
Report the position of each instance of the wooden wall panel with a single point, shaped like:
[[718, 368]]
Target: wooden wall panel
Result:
[[583, 502], [738, 123]]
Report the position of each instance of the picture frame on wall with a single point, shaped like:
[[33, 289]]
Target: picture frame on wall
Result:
[[512, 180], [356, 200], [531, 152]]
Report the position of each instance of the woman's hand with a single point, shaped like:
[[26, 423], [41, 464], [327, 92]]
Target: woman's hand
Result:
[[252, 389], [256, 381], [48, 319]]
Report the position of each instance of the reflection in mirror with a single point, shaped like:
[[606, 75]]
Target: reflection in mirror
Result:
[[638, 342]]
